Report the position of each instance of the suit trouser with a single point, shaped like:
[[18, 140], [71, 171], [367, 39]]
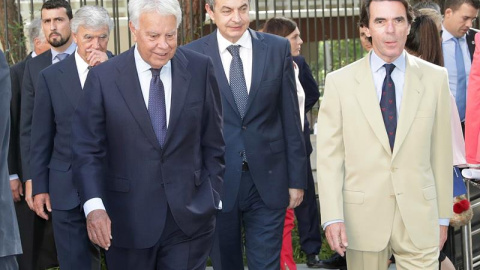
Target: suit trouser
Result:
[[407, 255], [36, 234], [308, 218], [173, 251], [262, 227], [75, 251], [8, 263]]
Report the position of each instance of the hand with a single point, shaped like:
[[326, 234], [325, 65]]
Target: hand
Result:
[[337, 237], [40, 201], [99, 228], [17, 189], [296, 197], [28, 194], [443, 235], [96, 57]]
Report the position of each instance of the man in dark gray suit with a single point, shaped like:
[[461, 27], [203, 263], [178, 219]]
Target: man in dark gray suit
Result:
[[10, 238], [38, 246]]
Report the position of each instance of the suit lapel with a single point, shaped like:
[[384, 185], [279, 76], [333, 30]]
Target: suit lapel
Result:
[[412, 94], [259, 55], [129, 87], [368, 100], [69, 80], [180, 85], [210, 47]]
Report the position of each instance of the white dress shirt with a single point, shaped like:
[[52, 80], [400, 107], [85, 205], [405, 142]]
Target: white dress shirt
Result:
[[144, 76], [246, 53], [300, 96], [82, 68]]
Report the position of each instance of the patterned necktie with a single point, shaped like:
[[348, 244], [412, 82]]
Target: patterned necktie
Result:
[[61, 57], [237, 79], [388, 104], [461, 91], [157, 107]]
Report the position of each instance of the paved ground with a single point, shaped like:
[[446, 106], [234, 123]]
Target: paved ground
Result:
[[304, 267]]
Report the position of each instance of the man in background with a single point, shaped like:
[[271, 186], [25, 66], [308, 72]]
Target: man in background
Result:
[[36, 234], [59, 88]]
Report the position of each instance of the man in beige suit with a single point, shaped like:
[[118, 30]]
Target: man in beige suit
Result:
[[384, 150]]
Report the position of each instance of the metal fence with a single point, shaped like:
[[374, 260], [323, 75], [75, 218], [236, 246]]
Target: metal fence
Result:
[[328, 27]]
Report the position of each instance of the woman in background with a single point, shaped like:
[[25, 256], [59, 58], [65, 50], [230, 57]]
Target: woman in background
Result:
[[307, 91]]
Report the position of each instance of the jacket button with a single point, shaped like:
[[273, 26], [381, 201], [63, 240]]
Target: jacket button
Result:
[[244, 127]]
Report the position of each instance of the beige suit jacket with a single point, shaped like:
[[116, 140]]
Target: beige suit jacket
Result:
[[360, 180]]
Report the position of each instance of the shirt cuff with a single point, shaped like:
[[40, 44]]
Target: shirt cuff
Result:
[[93, 204], [14, 177], [220, 205], [326, 224], [444, 221]]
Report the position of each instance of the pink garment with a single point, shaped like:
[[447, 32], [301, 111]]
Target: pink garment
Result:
[[472, 119], [458, 142]]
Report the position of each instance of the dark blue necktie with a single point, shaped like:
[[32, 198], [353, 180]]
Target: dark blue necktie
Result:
[[237, 79], [461, 91], [388, 104], [157, 107]]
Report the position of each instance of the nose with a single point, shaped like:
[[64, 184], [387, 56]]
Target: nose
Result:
[[96, 43], [236, 16], [469, 23], [390, 27], [300, 41], [53, 25], [162, 43]]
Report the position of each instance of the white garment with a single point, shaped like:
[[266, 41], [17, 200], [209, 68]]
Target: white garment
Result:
[[300, 95]]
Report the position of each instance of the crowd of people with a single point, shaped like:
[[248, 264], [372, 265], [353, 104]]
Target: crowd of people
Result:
[[164, 156]]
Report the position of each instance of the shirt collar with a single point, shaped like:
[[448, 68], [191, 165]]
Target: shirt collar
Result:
[[376, 62], [446, 36], [69, 50], [81, 64], [245, 41], [143, 66]]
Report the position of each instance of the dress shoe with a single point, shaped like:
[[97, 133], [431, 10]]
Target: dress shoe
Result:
[[334, 262], [313, 261]]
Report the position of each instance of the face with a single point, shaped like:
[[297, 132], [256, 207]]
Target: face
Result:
[[156, 38], [366, 44], [56, 26], [88, 40], [458, 22], [295, 42], [231, 18], [388, 28], [40, 45]]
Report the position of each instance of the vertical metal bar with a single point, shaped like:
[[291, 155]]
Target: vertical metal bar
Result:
[[347, 37], [307, 4], [191, 23], [316, 41], [31, 10], [128, 28], [338, 36], [467, 239], [256, 15], [7, 44], [323, 42], [202, 19]]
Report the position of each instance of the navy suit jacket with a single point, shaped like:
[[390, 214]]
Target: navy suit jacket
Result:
[[30, 75], [14, 156], [310, 87], [117, 156], [57, 93], [270, 131]]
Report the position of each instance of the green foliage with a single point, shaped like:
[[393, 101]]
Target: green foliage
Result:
[[17, 49]]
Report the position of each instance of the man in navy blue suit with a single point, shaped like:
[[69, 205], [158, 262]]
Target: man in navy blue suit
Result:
[[148, 148], [59, 87], [265, 152]]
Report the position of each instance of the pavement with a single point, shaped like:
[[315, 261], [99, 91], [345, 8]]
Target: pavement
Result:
[[304, 267]]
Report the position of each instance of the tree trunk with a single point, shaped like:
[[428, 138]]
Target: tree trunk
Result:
[[14, 43], [192, 19]]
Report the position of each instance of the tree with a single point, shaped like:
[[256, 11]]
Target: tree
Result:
[[11, 22]]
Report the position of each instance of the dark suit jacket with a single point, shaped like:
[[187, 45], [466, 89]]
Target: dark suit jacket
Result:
[[270, 131], [470, 36], [117, 156], [10, 238], [57, 93], [14, 156], [30, 75], [312, 94]]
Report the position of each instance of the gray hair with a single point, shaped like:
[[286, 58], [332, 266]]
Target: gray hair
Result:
[[91, 17], [35, 31], [162, 7]]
